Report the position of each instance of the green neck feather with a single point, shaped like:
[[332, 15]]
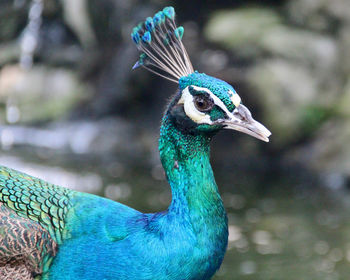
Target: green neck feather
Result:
[[185, 158]]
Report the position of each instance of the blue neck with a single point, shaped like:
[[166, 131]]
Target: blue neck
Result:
[[195, 196]]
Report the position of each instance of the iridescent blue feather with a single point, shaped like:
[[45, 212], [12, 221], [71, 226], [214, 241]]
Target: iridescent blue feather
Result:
[[160, 43]]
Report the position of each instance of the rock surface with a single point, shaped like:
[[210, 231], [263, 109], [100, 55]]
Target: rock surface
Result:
[[297, 64]]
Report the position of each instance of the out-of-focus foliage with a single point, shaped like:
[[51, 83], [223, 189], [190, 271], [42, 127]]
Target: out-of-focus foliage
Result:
[[73, 112]]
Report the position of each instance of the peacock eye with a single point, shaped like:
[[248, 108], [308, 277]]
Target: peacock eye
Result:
[[203, 104]]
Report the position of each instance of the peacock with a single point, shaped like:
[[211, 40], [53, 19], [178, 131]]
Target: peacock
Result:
[[51, 232]]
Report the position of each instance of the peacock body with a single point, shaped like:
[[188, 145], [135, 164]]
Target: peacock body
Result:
[[50, 232]]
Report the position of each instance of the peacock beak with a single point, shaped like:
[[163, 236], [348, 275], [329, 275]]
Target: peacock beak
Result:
[[242, 120]]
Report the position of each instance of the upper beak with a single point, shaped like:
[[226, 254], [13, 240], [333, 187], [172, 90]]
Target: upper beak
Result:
[[243, 121]]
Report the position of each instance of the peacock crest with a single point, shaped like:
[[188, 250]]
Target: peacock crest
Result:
[[160, 42]]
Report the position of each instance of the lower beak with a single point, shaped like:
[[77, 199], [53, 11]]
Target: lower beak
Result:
[[243, 121]]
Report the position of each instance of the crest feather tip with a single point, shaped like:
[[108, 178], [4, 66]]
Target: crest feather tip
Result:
[[169, 12]]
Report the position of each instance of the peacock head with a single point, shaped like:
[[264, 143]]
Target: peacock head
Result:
[[203, 104]]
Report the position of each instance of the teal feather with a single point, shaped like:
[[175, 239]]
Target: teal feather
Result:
[[158, 18], [149, 24], [135, 36], [143, 60], [146, 38], [179, 32], [169, 12]]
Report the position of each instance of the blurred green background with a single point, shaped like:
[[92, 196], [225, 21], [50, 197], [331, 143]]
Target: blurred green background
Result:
[[72, 112]]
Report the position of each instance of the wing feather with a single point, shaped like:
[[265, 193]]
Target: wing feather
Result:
[[32, 221], [24, 246]]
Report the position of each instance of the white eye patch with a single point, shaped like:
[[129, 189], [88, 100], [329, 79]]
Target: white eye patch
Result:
[[191, 110], [200, 117]]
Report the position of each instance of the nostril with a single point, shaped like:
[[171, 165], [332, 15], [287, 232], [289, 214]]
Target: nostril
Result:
[[240, 116], [243, 113]]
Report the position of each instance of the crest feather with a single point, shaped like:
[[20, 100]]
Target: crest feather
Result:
[[160, 42]]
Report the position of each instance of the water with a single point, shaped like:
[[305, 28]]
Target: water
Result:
[[289, 233], [278, 230]]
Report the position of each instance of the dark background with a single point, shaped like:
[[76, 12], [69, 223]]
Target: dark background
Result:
[[74, 113]]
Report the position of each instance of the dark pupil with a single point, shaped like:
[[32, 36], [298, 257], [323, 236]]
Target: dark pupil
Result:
[[202, 104]]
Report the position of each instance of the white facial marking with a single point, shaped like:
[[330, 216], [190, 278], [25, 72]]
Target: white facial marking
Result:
[[200, 117], [191, 110]]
